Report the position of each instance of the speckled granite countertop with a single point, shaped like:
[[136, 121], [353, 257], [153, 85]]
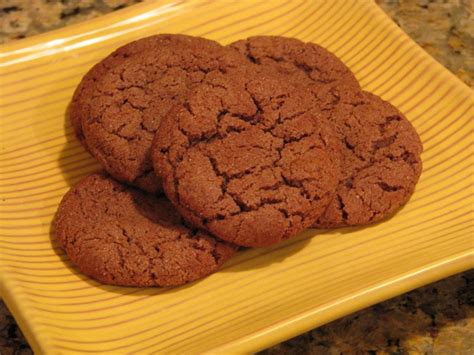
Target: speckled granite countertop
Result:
[[436, 319]]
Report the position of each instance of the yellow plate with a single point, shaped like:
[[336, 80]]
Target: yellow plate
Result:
[[261, 297]]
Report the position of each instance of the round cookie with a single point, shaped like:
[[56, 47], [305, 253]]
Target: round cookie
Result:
[[243, 158], [118, 105], [121, 236], [380, 157], [80, 104], [305, 63]]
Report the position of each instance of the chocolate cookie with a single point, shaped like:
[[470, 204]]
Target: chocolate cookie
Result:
[[118, 106], [243, 158], [380, 158], [120, 236], [80, 103], [305, 63]]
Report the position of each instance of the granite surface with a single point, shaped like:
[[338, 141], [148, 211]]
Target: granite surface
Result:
[[435, 319]]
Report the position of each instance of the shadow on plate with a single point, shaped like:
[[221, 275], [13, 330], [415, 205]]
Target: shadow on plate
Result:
[[74, 161], [250, 259], [253, 258]]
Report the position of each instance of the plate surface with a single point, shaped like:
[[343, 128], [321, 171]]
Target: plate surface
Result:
[[262, 296]]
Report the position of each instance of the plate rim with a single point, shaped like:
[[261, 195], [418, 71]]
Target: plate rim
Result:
[[305, 320]]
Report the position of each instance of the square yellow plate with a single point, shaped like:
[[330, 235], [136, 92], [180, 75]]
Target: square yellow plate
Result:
[[261, 297]]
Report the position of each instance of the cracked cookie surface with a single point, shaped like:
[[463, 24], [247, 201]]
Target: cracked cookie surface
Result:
[[243, 158], [80, 105], [121, 236], [306, 63], [118, 106], [380, 167], [380, 156]]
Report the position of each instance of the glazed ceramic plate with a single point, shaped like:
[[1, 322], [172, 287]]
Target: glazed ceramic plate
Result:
[[261, 297]]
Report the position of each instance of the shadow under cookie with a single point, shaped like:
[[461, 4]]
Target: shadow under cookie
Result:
[[74, 161]]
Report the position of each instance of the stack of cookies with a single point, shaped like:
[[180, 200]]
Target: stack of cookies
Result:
[[208, 148]]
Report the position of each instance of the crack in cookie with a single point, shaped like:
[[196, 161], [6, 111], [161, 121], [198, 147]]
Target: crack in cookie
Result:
[[373, 136], [245, 159], [305, 63], [380, 156], [121, 236], [118, 106]]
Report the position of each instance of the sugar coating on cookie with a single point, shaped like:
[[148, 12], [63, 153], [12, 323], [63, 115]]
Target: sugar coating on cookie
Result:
[[305, 63], [243, 158], [380, 156], [118, 106], [121, 236]]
